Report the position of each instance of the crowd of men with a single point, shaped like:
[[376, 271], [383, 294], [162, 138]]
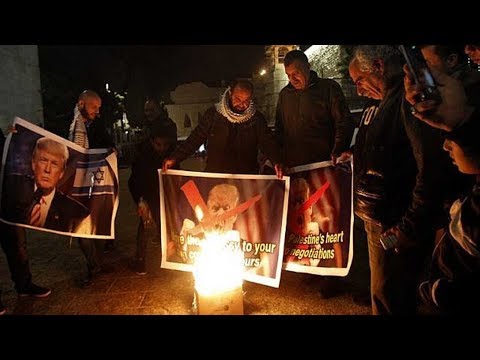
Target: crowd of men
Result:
[[416, 168]]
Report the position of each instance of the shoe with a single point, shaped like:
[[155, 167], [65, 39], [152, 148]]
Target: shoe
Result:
[[3, 309], [35, 291], [138, 267]]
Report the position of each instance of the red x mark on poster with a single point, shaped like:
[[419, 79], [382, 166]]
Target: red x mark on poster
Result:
[[195, 199]]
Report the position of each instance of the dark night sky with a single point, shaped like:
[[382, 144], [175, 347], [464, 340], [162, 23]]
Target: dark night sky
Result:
[[165, 66]]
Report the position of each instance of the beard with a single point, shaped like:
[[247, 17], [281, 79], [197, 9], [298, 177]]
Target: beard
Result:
[[235, 109]]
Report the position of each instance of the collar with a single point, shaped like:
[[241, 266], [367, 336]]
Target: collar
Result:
[[48, 198]]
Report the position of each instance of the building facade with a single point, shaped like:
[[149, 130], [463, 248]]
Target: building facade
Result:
[[20, 88]]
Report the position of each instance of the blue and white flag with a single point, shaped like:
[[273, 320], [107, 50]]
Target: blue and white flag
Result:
[[93, 178]]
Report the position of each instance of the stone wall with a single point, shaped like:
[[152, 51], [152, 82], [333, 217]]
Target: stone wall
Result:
[[20, 88]]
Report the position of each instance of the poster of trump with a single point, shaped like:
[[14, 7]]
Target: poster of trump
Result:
[[51, 184]]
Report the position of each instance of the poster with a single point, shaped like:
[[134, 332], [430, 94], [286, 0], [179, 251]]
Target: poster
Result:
[[50, 184], [254, 207], [319, 236]]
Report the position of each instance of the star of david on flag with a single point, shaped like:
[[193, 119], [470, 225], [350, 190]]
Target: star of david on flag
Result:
[[93, 178]]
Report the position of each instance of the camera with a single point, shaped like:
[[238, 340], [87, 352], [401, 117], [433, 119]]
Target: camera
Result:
[[420, 72]]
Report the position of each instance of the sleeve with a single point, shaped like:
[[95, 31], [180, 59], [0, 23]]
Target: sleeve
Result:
[[267, 142], [425, 207], [343, 120], [198, 136], [279, 132], [471, 217]]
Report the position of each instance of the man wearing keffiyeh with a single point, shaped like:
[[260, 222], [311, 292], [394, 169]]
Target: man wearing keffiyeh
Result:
[[235, 131]]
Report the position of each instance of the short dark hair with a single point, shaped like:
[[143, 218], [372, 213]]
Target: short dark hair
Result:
[[445, 50], [163, 129], [242, 84], [295, 55]]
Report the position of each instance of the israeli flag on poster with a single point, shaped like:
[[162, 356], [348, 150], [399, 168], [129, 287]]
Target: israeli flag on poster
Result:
[[93, 178]]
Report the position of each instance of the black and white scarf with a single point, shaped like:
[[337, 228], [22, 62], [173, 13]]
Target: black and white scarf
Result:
[[223, 108], [78, 130]]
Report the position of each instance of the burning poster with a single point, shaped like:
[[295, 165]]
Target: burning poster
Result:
[[247, 213], [51, 184], [320, 219]]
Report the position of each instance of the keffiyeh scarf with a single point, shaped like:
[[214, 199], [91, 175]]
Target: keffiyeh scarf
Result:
[[78, 131], [223, 108]]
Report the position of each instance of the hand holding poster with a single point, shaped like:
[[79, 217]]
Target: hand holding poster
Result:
[[320, 219], [250, 210], [51, 184]]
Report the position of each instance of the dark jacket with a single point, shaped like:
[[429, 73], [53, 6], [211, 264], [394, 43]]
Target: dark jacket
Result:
[[399, 169], [232, 147], [64, 213], [144, 181], [98, 137], [455, 273], [313, 123]]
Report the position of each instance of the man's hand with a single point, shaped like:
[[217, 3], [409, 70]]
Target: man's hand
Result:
[[279, 170], [143, 210], [450, 112], [11, 129], [402, 243], [345, 156], [168, 163]]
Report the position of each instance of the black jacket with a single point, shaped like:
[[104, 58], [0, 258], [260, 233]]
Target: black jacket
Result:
[[232, 147], [144, 179], [399, 169], [64, 213], [98, 137], [313, 123]]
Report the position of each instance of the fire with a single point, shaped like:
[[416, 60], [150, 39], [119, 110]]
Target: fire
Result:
[[219, 266]]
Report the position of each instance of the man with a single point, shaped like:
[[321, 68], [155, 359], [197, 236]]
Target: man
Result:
[[35, 200], [235, 131], [144, 184], [473, 52], [313, 123], [451, 60], [14, 244], [398, 181], [89, 133]]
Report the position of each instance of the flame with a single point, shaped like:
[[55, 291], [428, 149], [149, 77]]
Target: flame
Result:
[[199, 213], [219, 266]]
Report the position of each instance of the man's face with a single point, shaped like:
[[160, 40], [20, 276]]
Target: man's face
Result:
[[90, 107], [297, 75], [47, 169], [221, 200], [473, 52], [151, 111], [240, 99], [433, 60], [368, 83], [160, 144]]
